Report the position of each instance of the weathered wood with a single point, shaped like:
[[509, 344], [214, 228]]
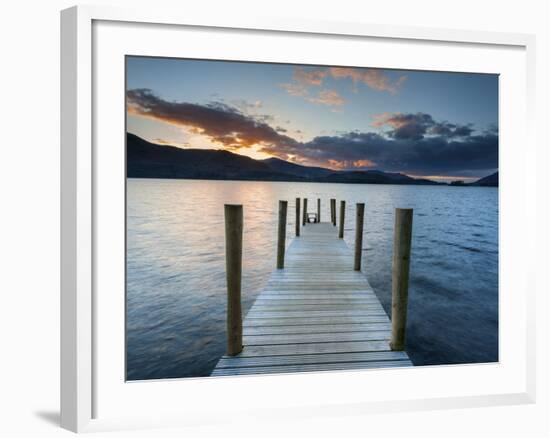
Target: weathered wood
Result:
[[314, 348], [318, 314], [304, 219], [342, 219], [303, 359], [358, 250], [312, 313], [310, 367], [281, 235], [264, 300], [316, 328], [297, 217], [400, 275], [333, 211], [233, 260], [309, 338], [314, 320], [318, 209]]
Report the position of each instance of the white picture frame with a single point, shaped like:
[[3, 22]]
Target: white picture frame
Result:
[[82, 170]]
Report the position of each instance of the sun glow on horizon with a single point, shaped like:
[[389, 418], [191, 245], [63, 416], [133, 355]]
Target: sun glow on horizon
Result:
[[444, 178]]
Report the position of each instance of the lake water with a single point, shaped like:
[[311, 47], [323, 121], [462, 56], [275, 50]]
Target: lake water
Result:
[[176, 268]]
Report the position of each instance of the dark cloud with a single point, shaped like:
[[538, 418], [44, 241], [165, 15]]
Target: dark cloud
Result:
[[414, 144], [416, 126], [437, 155], [451, 130], [220, 122]]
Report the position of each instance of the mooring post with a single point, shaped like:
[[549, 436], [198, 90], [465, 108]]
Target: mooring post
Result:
[[400, 276], [233, 270], [281, 238], [318, 209], [359, 215], [297, 217], [304, 220], [333, 211], [342, 219]]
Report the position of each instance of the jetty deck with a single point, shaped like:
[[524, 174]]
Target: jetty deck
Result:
[[316, 314]]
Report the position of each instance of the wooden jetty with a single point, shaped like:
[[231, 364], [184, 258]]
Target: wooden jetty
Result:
[[319, 312]]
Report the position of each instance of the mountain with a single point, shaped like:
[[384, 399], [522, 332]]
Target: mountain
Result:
[[149, 160], [295, 169], [488, 181]]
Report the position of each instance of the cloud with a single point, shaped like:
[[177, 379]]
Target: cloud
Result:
[[305, 78], [247, 106], [436, 155], [414, 144], [415, 126], [376, 79], [328, 97], [295, 89], [309, 77], [219, 122]]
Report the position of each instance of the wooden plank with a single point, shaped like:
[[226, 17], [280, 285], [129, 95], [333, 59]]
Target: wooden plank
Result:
[[306, 338], [289, 322], [358, 309], [293, 300], [334, 304], [318, 298], [296, 359], [310, 368], [319, 348], [315, 308], [312, 313], [315, 328]]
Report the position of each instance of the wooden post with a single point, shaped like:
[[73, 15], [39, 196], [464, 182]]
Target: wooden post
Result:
[[400, 276], [342, 219], [233, 270], [304, 220], [318, 209], [333, 211], [281, 238], [297, 217], [359, 215]]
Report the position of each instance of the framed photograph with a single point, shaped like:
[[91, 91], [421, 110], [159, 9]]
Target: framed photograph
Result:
[[261, 208]]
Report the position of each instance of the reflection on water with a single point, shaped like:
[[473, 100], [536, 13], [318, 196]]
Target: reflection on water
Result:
[[176, 278]]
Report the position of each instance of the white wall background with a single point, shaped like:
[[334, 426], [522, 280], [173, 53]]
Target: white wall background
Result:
[[29, 215]]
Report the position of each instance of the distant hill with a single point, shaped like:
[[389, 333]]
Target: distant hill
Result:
[[149, 160], [295, 169], [488, 181]]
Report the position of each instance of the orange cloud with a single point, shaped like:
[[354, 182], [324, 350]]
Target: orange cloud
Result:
[[350, 164], [218, 122], [363, 163], [328, 97], [375, 79], [303, 79], [395, 120], [309, 77]]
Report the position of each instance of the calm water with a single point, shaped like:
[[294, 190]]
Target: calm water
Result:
[[176, 278]]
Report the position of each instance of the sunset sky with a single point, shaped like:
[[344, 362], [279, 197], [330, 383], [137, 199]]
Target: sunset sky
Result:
[[430, 124]]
